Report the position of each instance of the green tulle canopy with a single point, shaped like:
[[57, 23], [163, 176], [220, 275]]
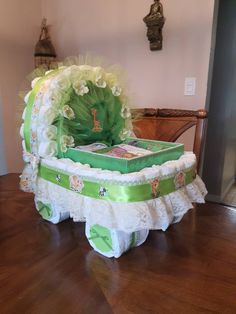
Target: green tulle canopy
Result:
[[97, 117]]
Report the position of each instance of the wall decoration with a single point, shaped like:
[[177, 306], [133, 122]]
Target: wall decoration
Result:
[[155, 21], [45, 54]]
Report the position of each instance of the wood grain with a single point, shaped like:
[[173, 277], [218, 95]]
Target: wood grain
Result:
[[44, 268]]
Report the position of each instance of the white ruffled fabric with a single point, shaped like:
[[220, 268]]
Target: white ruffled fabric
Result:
[[157, 213]]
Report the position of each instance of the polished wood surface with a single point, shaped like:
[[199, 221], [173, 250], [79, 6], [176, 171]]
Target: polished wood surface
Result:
[[45, 268], [169, 124]]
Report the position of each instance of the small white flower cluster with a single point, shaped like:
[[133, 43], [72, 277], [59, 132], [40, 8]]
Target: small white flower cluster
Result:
[[52, 99], [67, 112], [66, 141], [79, 75], [80, 87]]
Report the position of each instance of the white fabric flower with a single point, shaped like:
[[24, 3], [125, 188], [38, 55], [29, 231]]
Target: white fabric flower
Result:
[[47, 115], [24, 114], [22, 130], [125, 111], [124, 134], [111, 80], [49, 71], [66, 141], [71, 72], [100, 83], [74, 73], [99, 77], [26, 98], [81, 87], [35, 81], [24, 146], [85, 72], [52, 98], [116, 90], [48, 149], [47, 133], [61, 83], [68, 112]]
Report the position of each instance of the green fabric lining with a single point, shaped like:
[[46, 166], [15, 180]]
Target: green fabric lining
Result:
[[114, 192], [99, 106]]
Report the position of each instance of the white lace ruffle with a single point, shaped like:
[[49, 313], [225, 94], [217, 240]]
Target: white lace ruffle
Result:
[[158, 213]]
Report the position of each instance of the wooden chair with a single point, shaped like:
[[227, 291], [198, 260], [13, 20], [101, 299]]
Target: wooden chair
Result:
[[169, 124]]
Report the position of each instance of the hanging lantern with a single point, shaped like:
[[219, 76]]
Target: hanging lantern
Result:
[[45, 54]]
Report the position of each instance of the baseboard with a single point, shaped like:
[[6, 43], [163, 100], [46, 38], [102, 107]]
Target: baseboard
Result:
[[213, 198], [232, 181], [219, 198]]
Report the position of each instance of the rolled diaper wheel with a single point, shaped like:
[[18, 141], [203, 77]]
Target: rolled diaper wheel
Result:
[[111, 242], [51, 213]]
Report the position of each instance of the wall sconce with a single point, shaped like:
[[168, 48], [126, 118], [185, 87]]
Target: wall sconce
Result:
[[155, 21]]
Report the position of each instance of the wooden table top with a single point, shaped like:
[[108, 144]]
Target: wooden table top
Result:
[[45, 268]]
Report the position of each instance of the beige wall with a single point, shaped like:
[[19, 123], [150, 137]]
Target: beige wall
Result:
[[114, 29], [19, 27]]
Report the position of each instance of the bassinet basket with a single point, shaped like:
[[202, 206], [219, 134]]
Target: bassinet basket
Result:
[[79, 105]]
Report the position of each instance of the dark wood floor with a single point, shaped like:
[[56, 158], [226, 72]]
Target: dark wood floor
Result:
[[191, 268]]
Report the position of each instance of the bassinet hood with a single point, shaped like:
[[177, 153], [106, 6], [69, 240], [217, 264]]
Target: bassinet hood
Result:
[[71, 106]]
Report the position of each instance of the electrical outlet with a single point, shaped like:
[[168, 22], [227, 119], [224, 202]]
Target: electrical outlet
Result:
[[190, 86]]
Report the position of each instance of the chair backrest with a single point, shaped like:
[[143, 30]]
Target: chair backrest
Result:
[[169, 124]]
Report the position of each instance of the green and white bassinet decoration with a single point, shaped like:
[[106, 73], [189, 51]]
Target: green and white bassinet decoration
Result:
[[79, 106]]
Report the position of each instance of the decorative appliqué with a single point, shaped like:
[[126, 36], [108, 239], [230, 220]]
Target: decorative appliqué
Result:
[[58, 178], [76, 183], [179, 180], [27, 179], [155, 184], [96, 124], [102, 191]]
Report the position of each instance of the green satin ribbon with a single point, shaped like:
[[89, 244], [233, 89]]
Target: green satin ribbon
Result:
[[114, 192], [29, 108], [101, 238], [44, 210]]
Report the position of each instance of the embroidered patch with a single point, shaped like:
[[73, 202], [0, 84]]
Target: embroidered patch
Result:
[[76, 183], [179, 180], [155, 185], [27, 179], [96, 124], [58, 178], [102, 191]]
